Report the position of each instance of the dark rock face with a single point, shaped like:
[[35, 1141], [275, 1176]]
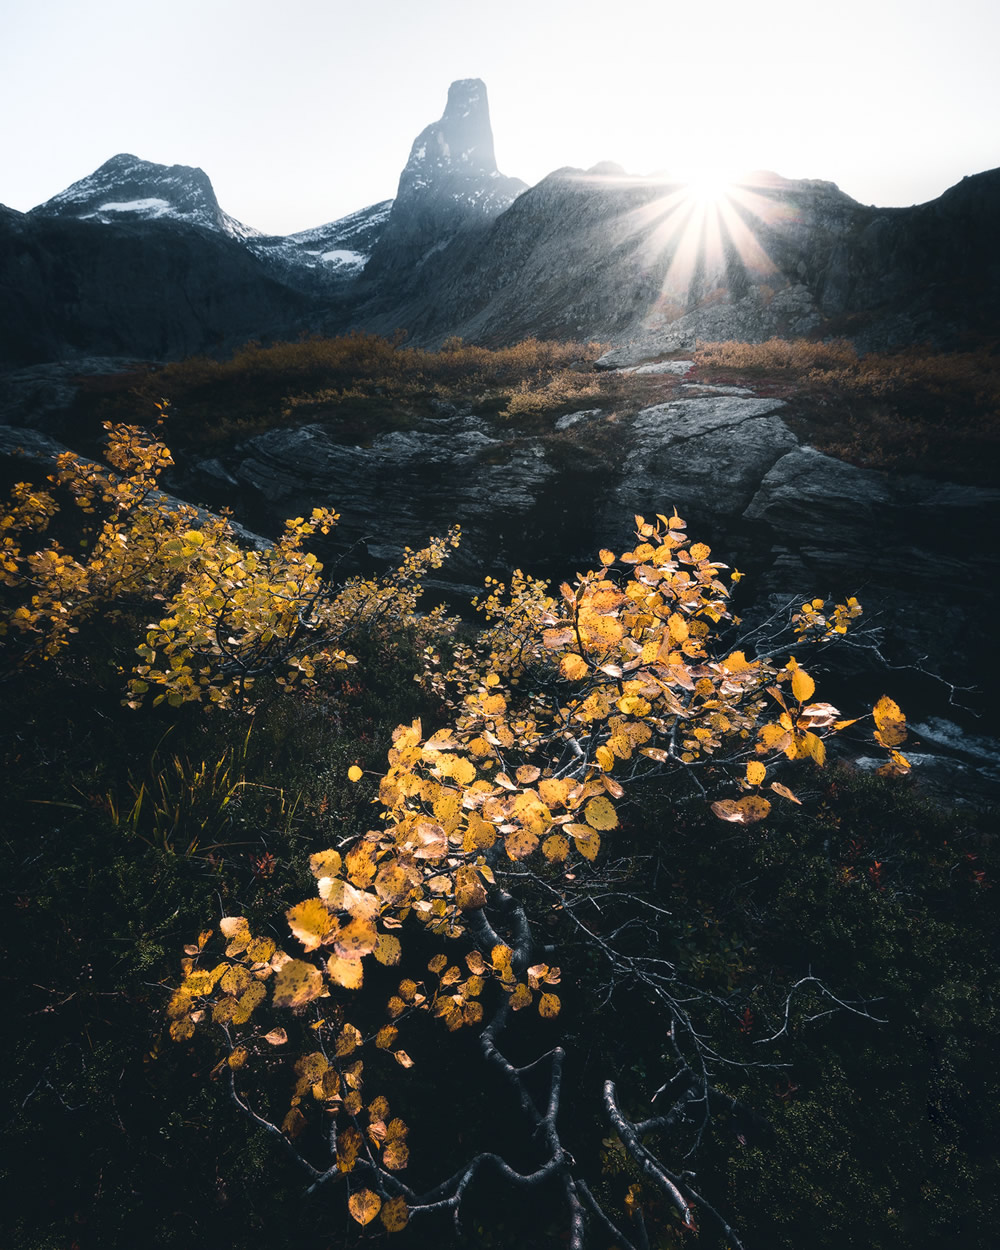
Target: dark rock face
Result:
[[150, 288], [800, 523], [449, 186]]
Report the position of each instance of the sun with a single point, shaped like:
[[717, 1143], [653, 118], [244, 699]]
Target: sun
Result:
[[708, 187], [705, 230]]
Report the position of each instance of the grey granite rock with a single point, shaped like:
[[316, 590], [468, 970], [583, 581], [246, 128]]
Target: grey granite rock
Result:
[[706, 457]]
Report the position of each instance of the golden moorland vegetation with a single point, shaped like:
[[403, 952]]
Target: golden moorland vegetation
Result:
[[914, 410]]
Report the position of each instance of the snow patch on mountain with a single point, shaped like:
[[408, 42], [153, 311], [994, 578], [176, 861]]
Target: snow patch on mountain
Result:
[[150, 207], [340, 256]]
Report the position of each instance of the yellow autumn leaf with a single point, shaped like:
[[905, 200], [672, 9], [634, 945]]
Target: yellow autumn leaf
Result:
[[520, 998], [348, 1040], [745, 811], [521, 843], [395, 1215], [310, 922], [754, 807], [388, 949], [182, 1029], [237, 930], [604, 758], [355, 939], [293, 1123], [348, 973], [385, 1037], [396, 1154], [297, 983], [812, 745], [587, 840], [475, 962], [260, 950], [803, 686], [548, 1006], [354, 773], [756, 772], [500, 957], [248, 1003], [470, 894], [890, 722], [773, 737], [898, 766], [886, 710], [235, 980], [818, 716], [600, 814], [555, 848], [364, 1206], [325, 863], [573, 667]]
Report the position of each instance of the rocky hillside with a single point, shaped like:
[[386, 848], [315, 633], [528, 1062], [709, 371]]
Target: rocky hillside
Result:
[[146, 286], [545, 494], [600, 254]]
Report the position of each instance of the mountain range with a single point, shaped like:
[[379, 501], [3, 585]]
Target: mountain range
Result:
[[140, 260]]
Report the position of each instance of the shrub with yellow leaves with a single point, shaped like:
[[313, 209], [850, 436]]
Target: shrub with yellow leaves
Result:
[[226, 613], [560, 704]]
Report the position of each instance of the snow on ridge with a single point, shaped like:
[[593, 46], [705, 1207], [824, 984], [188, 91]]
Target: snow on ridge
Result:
[[237, 229], [344, 227]]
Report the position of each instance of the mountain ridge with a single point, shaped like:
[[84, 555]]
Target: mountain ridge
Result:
[[140, 259]]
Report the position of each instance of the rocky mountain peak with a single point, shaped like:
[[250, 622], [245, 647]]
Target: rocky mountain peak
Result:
[[129, 188], [460, 143], [449, 185]]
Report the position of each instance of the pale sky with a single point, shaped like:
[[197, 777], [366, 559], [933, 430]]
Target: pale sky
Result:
[[301, 111]]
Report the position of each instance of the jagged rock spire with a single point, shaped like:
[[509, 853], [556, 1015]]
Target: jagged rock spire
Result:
[[449, 184], [460, 143]]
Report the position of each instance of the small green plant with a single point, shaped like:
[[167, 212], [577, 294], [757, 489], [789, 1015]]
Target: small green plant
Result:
[[186, 807]]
